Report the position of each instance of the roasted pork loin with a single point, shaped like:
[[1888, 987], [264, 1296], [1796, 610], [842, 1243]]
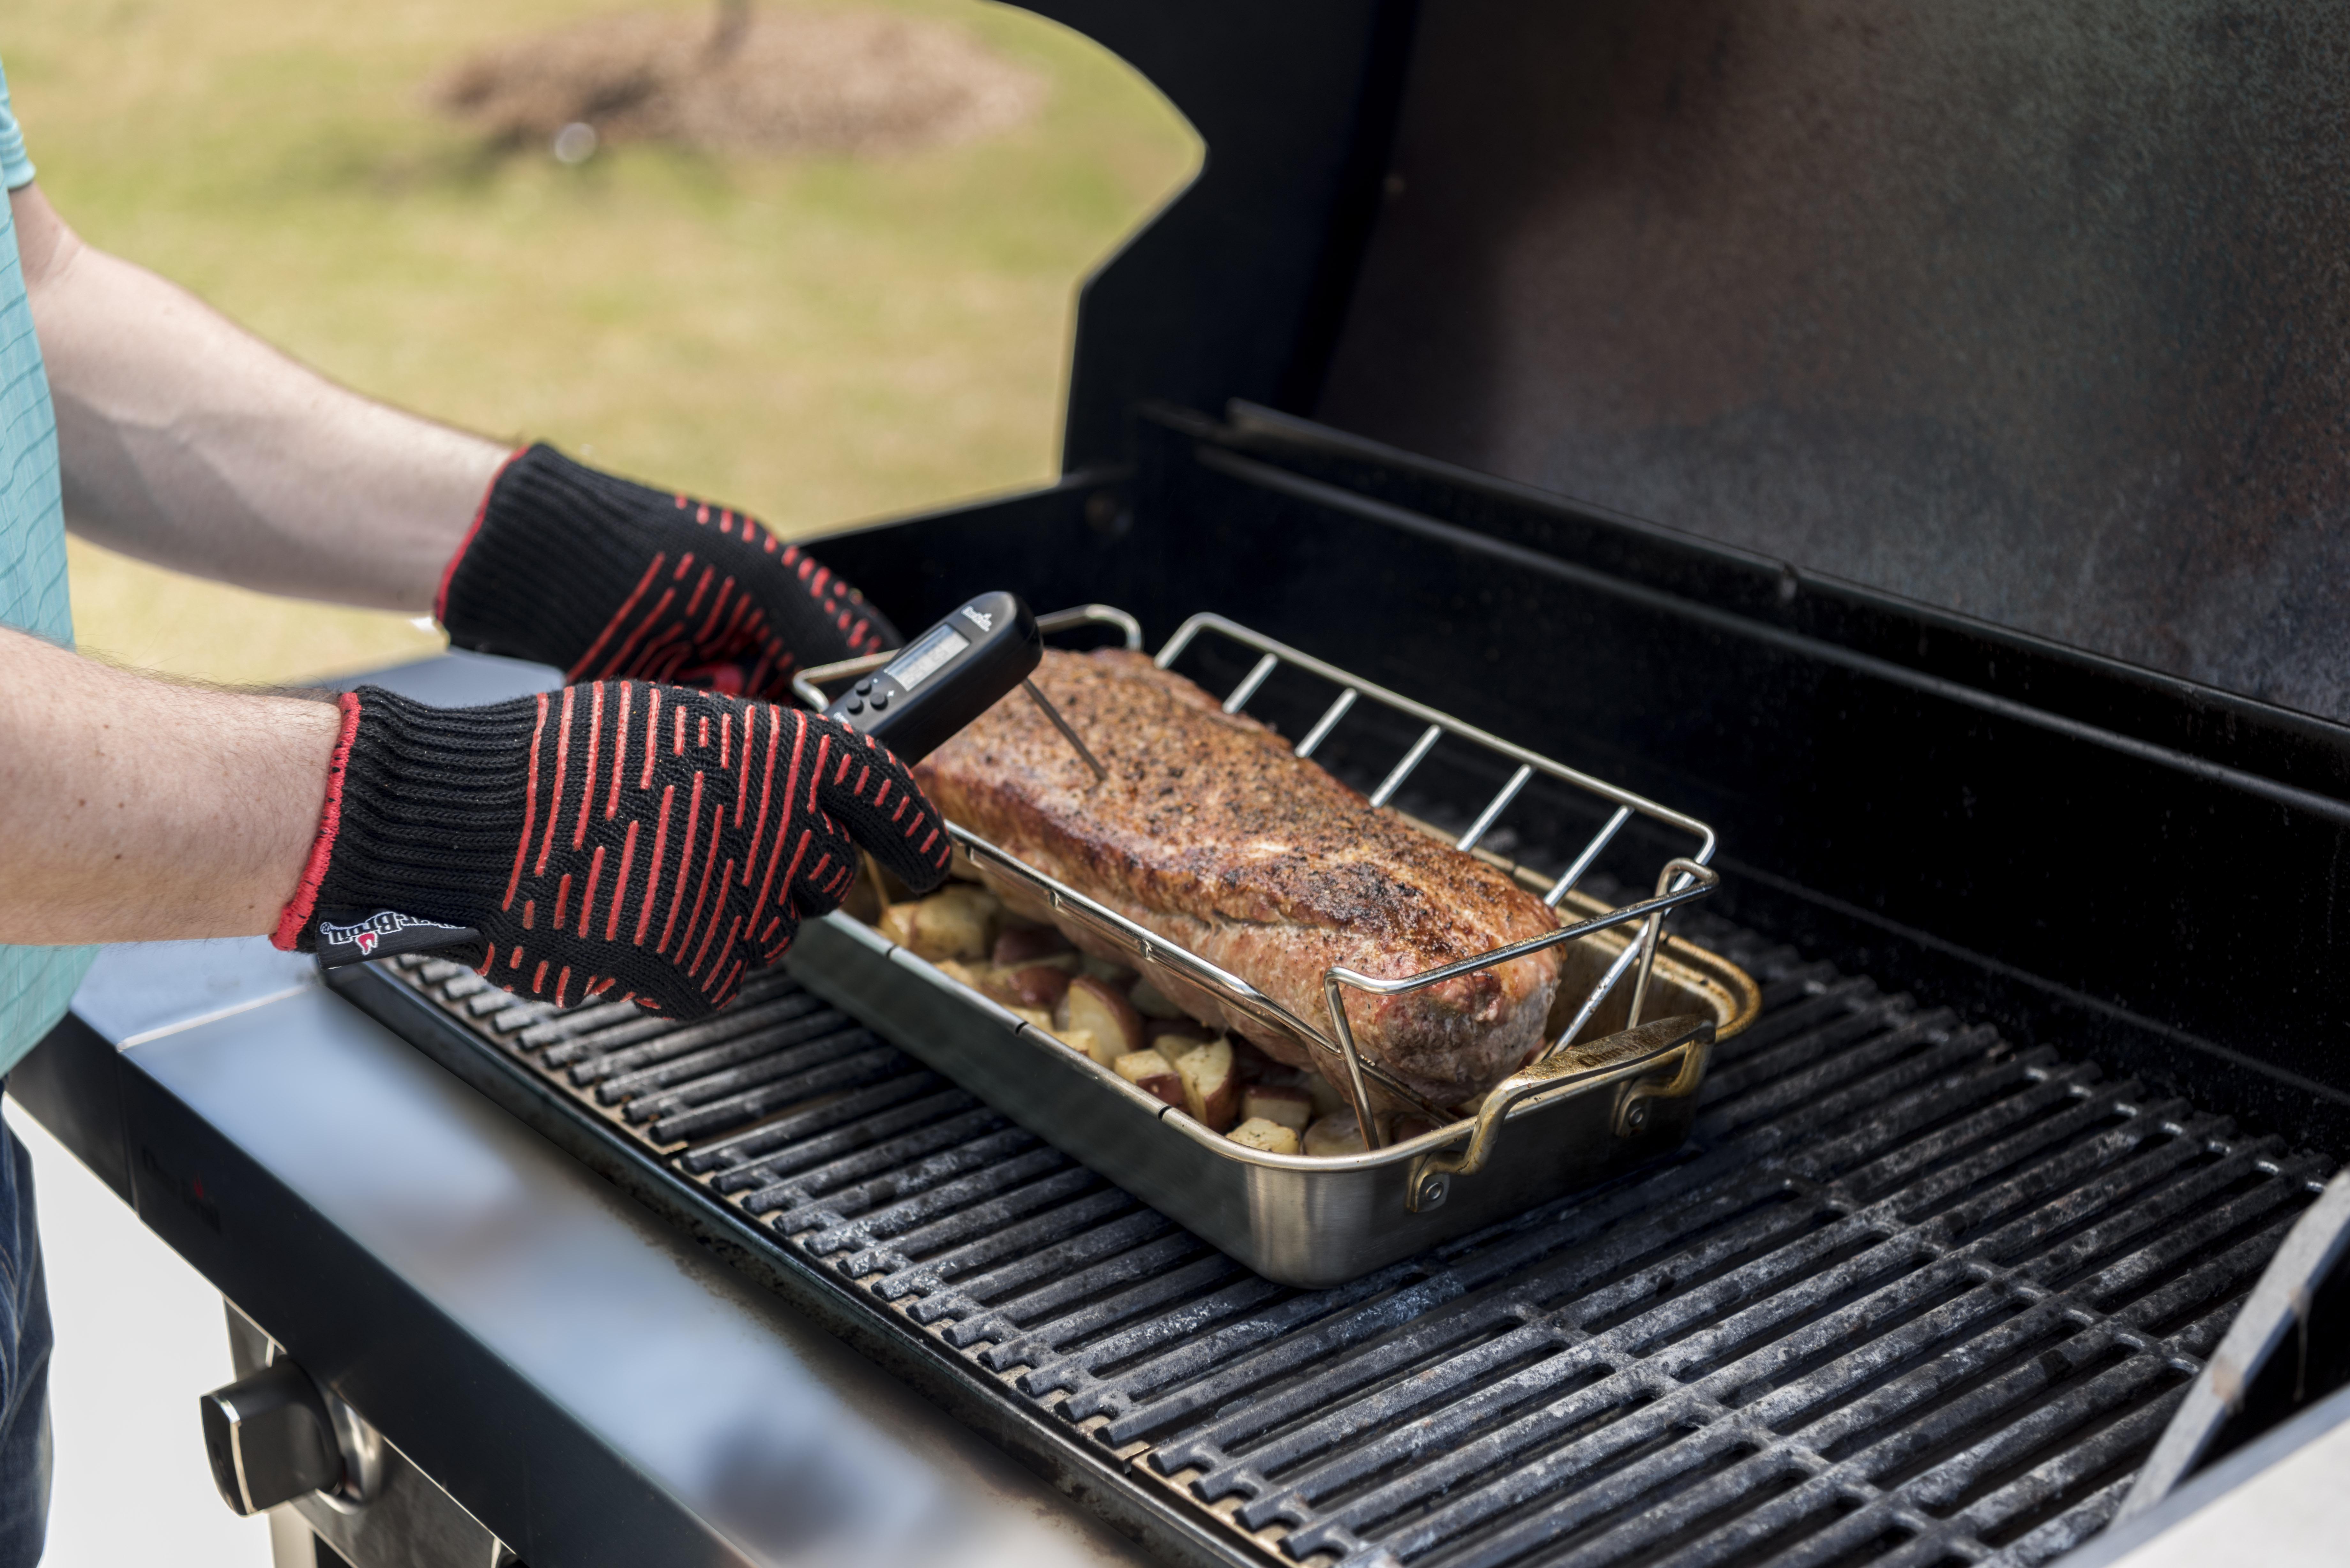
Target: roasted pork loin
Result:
[[1209, 832]]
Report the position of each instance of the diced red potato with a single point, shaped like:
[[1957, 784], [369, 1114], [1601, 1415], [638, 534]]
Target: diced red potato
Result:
[[1150, 1072], [898, 922], [1411, 1125], [1037, 1018], [1212, 1090], [1034, 985], [1270, 1137], [1292, 1107], [1172, 1039], [1151, 1003], [958, 921], [1020, 945], [1103, 1011], [1333, 1136], [1085, 1043]]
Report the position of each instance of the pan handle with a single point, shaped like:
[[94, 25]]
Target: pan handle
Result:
[[1683, 1041]]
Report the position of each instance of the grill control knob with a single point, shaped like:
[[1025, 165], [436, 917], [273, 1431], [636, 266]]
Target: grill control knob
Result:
[[270, 1439]]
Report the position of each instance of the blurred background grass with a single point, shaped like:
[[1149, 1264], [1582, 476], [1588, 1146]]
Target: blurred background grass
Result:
[[815, 338]]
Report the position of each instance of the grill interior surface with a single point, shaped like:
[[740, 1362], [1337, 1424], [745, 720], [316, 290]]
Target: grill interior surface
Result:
[[1908, 1295]]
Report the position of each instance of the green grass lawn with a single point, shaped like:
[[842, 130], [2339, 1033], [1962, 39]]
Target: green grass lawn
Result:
[[814, 338]]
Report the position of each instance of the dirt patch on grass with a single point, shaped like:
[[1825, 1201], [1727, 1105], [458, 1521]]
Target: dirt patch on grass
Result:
[[738, 78]]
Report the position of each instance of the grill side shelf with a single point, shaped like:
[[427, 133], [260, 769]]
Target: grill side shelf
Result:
[[1906, 1294]]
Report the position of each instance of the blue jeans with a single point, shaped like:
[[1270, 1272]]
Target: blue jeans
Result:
[[24, 1363]]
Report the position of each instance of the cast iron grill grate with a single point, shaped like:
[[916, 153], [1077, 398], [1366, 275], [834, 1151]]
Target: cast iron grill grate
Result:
[[1907, 1296]]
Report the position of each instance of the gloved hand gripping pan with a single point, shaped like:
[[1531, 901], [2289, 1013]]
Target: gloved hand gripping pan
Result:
[[618, 838]]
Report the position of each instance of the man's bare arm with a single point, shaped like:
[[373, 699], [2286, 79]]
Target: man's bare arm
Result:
[[132, 809], [187, 441]]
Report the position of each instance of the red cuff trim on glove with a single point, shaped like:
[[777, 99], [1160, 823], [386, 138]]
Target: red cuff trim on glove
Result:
[[441, 595], [297, 913]]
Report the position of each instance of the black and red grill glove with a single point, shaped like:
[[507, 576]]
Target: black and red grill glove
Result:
[[605, 578], [617, 838]]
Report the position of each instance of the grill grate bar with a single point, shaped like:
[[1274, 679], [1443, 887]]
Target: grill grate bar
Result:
[[810, 1137], [925, 1136], [656, 1064], [982, 1319], [1909, 1294], [750, 1105], [979, 1220]]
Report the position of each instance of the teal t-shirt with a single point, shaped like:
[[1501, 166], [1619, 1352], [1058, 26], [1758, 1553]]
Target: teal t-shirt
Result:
[[34, 982]]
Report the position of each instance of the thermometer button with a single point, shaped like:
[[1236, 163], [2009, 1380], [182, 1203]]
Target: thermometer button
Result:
[[864, 686], [857, 704], [881, 700]]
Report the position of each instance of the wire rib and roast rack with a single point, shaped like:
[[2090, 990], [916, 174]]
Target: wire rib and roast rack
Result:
[[1680, 880], [1585, 1110]]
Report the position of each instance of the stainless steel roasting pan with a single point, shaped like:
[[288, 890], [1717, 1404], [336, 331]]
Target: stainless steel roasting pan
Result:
[[1575, 1118], [1617, 1086]]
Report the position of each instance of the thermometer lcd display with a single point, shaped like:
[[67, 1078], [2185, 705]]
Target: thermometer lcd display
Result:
[[927, 658]]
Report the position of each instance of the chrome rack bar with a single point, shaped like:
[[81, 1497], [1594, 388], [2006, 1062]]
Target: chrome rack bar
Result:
[[1691, 881], [1495, 808], [1092, 614], [1394, 781], [1574, 874], [1327, 723], [1594, 998], [1188, 631], [1250, 683]]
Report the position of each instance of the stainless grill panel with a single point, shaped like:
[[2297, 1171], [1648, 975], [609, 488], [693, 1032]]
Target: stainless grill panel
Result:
[[1908, 1296]]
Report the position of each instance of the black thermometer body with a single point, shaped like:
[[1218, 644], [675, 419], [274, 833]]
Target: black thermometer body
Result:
[[937, 684], [945, 677]]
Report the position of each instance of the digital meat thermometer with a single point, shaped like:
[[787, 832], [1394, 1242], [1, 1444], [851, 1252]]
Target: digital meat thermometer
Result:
[[948, 676], [920, 699]]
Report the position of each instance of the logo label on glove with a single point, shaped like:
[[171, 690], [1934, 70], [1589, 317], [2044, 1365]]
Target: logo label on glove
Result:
[[383, 934]]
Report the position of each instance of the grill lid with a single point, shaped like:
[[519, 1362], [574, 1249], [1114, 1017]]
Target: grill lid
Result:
[[2033, 316]]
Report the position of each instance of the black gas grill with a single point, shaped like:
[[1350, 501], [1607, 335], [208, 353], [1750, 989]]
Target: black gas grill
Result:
[[2034, 315], [1910, 1295]]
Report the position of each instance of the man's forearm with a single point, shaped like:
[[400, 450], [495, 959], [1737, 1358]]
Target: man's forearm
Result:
[[188, 441], [132, 809]]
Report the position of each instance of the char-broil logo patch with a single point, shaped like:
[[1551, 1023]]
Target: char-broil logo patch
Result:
[[369, 934], [980, 618]]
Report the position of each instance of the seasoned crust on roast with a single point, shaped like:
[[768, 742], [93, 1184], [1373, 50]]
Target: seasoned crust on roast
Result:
[[1210, 832]]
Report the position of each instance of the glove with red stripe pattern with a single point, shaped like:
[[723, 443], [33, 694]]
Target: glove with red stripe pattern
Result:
[[649, 842], [605, 578]]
